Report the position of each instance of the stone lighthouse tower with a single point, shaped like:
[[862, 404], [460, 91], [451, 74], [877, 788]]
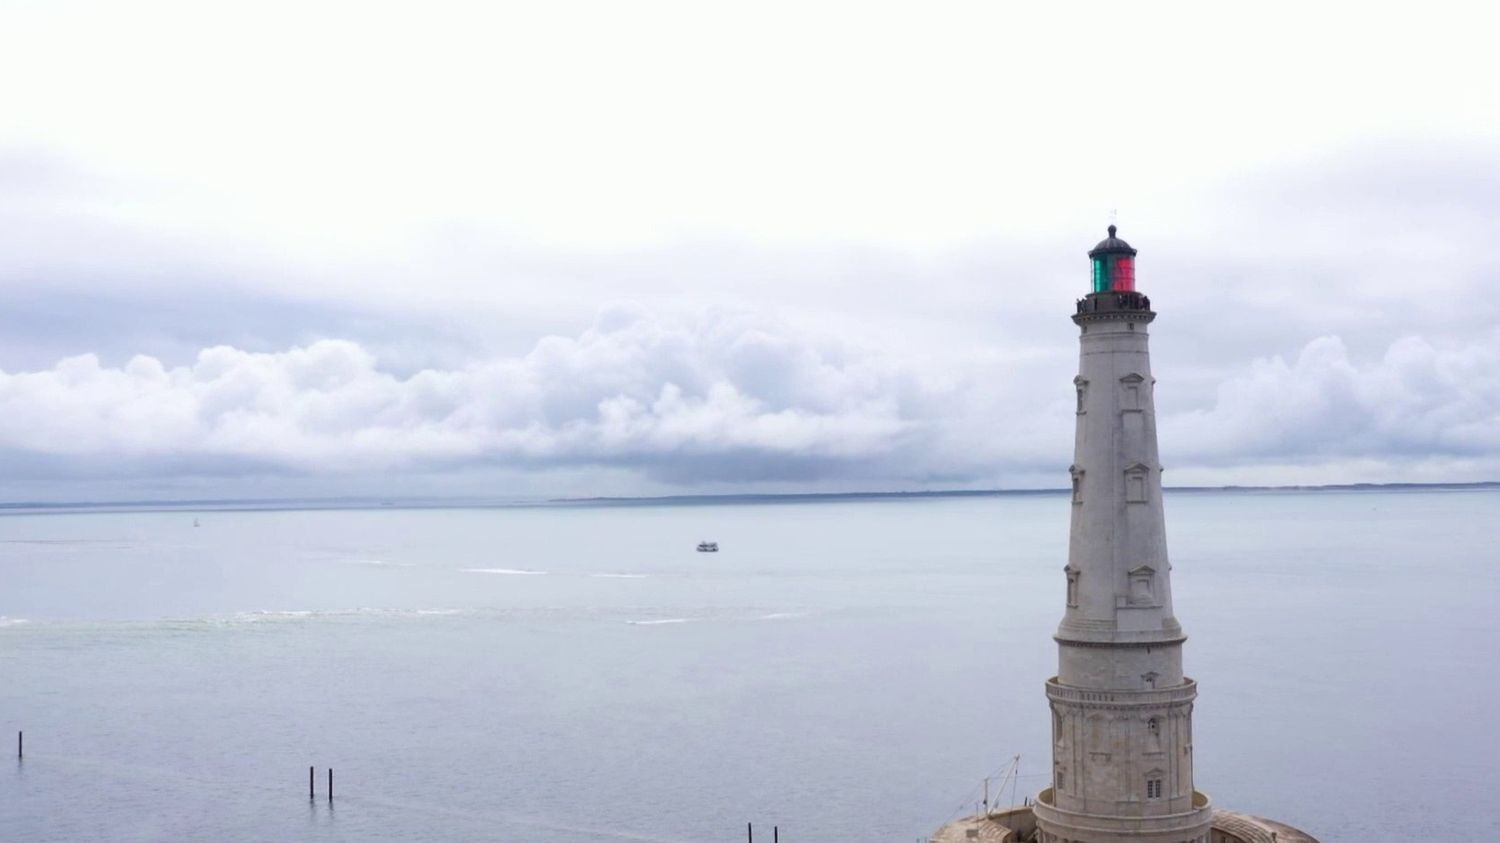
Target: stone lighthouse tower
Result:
[[1122, 710]]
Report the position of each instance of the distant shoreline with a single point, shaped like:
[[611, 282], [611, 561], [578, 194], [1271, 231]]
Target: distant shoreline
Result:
[[295, 504]]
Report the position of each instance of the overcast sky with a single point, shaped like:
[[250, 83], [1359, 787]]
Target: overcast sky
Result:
[[642, 248]]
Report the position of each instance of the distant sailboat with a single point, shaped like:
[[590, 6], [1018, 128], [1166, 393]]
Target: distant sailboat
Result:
[[708, 547]]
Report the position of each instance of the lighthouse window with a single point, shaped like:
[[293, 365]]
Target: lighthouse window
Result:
[[1130, 391], [1153, 788], [1135, 482], [1142, 587], [1101, 275], [1152, 725]]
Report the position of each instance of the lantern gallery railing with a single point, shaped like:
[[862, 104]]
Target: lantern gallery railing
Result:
[[1118, 301]]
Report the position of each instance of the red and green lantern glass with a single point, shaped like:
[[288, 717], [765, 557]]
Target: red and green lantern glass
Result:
[[1124, 274], [1114, 273]]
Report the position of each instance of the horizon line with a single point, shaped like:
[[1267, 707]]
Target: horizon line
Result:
[[484, 502]]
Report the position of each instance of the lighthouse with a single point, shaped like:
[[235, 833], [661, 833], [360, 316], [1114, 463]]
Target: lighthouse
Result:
[[1122, 709], [1121, 706]]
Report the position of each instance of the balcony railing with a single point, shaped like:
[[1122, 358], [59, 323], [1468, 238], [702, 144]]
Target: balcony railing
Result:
[[1148, 697]]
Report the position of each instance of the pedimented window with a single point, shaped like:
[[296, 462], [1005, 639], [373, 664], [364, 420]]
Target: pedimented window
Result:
[[1137, 483], [1142, 586], [1132, 392]]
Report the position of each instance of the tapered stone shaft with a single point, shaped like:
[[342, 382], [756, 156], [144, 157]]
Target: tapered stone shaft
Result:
[[1122, 729]]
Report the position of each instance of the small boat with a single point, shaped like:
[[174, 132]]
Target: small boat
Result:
[[195, 522], [708, 547]]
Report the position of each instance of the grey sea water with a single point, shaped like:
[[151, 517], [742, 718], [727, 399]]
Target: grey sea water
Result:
[[847, 670]]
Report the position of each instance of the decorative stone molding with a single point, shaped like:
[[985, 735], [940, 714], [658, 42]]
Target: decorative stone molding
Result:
[[1158, 697]]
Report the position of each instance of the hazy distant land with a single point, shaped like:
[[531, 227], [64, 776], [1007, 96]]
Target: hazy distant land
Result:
[[275, 504]]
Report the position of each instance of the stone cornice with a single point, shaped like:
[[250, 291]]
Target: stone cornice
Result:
[[1074, 637], [1114, 316], [1178, 695]]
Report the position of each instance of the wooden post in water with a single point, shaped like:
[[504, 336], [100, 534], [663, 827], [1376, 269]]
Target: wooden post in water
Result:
[[750, 832], [330, 785], [775, 834], [310, 796], [20, 745]]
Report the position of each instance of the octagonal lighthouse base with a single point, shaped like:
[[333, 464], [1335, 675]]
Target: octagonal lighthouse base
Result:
[[1019, 825], [1055, 825]]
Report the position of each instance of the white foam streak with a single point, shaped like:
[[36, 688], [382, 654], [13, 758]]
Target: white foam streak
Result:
[[271, 616], [510, 571]]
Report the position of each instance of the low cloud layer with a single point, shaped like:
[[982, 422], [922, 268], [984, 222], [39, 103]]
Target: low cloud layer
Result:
[[721, 399], [1349, 341], [731, 399], [1418, 401]]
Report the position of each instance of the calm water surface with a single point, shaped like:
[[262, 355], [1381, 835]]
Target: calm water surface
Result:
[[849, 671]]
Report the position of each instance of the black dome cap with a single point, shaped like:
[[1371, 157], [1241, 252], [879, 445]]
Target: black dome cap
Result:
[[1111, 245]]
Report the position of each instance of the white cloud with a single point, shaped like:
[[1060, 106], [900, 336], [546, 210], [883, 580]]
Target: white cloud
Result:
[[631, 389], [737, 400], [1419, 402]]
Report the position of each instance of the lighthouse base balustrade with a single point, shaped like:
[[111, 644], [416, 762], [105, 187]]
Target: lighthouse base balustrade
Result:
[[1018, 825]]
